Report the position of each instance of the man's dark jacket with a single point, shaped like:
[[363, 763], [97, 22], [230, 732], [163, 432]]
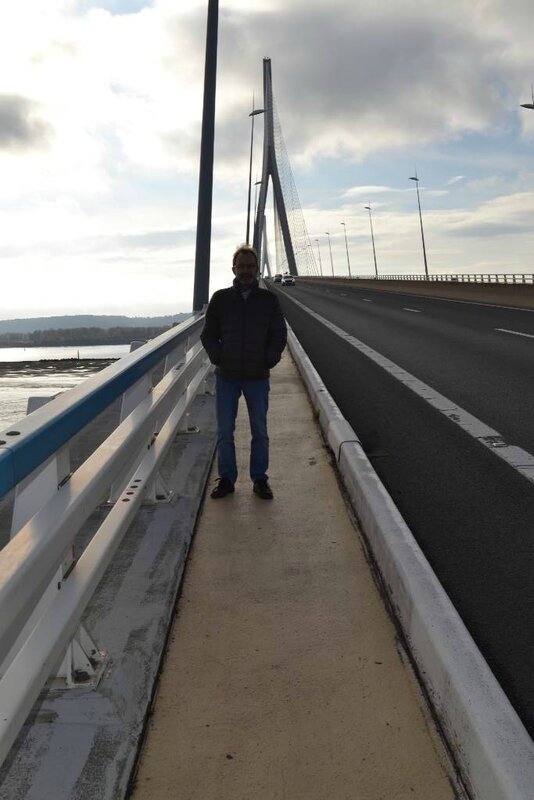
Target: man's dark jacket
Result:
[[244, 338]]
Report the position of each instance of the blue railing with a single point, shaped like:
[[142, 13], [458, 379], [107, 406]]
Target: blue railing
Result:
[[44, 587], [41, 434]]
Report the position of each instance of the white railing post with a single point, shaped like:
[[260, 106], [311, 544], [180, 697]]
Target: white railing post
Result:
[[176, 356], [32, 494], [157, 490], [35, 490], [130, 400]]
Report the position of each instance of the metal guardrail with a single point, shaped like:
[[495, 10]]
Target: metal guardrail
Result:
[[43, 590], [467, 277]]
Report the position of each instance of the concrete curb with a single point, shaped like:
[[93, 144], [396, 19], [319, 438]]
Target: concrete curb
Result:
[[493, 751]]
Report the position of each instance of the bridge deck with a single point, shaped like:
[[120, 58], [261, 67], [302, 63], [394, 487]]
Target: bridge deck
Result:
[[284, 677]]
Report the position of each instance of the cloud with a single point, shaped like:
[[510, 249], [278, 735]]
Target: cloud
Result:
[[119, 83], [352, 80], [490, 229], [117, 7], [363, 191], [485, 183], [129, 246], [20, 127], [500, 216]]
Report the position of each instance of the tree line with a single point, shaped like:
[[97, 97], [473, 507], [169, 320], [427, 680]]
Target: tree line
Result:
[[78, 337]]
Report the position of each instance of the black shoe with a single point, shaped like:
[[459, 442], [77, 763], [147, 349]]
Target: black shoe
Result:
[[223, 488], [263, 490]]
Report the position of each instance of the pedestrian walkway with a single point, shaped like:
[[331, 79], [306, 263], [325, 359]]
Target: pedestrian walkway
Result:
[[283, 677]]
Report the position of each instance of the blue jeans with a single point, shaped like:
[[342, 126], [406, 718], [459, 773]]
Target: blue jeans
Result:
[[256, 393]]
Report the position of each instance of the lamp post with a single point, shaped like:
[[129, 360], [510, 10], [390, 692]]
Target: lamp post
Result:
[[347, 248], [252, 114], [416, 179], [205, 178], [529, 105], [372, 236], [331, 259], [258, 183], [319, 254]]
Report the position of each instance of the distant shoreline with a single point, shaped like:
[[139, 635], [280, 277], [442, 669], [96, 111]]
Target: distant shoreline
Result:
[[43, 362], [18, 345]]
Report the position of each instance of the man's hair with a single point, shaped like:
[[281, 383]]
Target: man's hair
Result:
[[245, 248]]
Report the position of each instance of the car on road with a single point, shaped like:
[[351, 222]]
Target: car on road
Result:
[[288, 280], [278, 277]]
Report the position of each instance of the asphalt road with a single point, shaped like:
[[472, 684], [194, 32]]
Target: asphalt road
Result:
[[471, 513]]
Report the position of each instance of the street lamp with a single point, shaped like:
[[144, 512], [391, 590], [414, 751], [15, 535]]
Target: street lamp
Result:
[[258, 183], [319, 254], [347, 248], [416, 179], [529, 105], [372, 235], [252, 114], [331, 259]]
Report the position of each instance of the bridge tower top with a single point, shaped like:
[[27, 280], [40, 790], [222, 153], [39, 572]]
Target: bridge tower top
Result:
[[270, 169]]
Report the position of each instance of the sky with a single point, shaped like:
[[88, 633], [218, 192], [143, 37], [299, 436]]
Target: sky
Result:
[[100, 116]]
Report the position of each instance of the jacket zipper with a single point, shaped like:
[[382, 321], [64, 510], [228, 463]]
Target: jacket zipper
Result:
[[243, 336]]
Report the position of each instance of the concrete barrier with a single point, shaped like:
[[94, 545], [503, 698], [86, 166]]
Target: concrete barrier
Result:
[[518, 295]]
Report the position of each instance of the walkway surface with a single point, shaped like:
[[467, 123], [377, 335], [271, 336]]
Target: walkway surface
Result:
[[284, 678]]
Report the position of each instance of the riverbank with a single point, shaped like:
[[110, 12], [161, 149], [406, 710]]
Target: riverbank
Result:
[[20, 380], [83, 363], [62, 354]]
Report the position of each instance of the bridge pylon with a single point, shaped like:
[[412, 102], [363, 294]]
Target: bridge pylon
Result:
[[270, 170]]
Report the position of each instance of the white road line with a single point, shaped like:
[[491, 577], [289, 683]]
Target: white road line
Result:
[[453, 300], [365, 300], [516, 333], [413, 310], [516, 457]]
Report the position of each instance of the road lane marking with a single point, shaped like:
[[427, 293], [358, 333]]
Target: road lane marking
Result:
[[449, 300], [413, 310], [516, 333], [365, 300], [516, 457]]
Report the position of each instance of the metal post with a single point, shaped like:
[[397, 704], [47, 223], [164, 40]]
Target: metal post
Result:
[[416, 179], [256, 197], [252, 114], [319, 254], [372, 237], [205, 180], [331, 259], [529, 105], [347, 247], [264, 183]]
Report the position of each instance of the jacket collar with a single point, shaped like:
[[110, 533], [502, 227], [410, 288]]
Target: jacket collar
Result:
[[252, 288]]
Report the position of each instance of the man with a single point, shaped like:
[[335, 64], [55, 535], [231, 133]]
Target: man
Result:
[[244, 336]]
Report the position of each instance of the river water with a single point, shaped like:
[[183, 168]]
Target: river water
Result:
[[43, 371]]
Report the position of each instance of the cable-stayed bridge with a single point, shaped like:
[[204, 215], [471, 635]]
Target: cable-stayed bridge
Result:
[[292, 243], [286, 675]]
